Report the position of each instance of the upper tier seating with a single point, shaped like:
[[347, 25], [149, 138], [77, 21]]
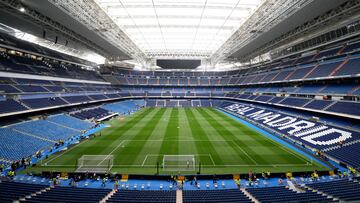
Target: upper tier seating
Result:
[[96, 113], [37, 103], [350, 68], [325, 69], [318, 104], [352, 108], [77, 99], [10, 105], [294, 101]]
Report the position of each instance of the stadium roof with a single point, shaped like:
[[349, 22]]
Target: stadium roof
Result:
[[216, 31], [196, 27]]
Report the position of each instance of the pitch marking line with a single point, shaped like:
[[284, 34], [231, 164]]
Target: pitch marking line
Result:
[[245, 153], [64, 152], [157, 155], [112, 152], [144, 160], [212, 160]]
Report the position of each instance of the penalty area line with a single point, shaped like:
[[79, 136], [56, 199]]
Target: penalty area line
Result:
[[64, 152], [112, 152], [212, 160], [144, 160]]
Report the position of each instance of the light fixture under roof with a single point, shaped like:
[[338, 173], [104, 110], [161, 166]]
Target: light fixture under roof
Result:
[[22, 9], [161, 28]]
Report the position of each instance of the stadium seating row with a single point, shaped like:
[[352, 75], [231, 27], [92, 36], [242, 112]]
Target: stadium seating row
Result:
[[25, 138], [332, 191], [343, 67], [182, 103]]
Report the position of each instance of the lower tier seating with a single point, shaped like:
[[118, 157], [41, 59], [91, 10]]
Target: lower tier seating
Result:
[[230, 195], [45, 129], [70, 194], [11, 191], [166, 196], [283, 194], [15, 145], [345, 190], [70, 121]]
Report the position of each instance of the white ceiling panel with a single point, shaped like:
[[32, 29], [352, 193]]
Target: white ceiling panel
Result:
[[179, 26]]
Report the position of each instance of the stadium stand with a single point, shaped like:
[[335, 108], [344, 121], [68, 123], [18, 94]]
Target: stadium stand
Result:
[[228, 195], [124, 107], [144, 196], [69, 194], [15, 145], [11, 106], [13, 191], [45, 129], [69, 121], [283, 194], [93, 113], [344, 190]]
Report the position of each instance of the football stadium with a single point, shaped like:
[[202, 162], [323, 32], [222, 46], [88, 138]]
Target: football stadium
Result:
[[179, 101]]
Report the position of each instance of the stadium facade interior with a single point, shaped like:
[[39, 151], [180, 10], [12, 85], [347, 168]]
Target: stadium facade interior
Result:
[[180, 101]]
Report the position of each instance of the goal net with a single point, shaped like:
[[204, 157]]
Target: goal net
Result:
[[178, 163], [95, 163]]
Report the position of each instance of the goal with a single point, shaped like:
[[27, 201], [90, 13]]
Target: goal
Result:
[[95, 163], [178, 163]]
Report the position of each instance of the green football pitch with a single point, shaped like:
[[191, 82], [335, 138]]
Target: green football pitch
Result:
[[217, 142]]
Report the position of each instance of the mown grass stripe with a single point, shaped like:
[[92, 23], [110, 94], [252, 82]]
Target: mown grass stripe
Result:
[[123, 133], [185, 134], [144, 133], [152, 144], [164, 146], [242, 150], [277, 148], [172, 134], [200, 134]]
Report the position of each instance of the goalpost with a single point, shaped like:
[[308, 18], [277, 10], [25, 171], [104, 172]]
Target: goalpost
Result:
[[178, 163], [95, 163]]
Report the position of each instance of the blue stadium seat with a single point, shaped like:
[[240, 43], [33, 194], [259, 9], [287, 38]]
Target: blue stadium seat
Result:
[[15, 145], [69, 121], [228, 195]]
